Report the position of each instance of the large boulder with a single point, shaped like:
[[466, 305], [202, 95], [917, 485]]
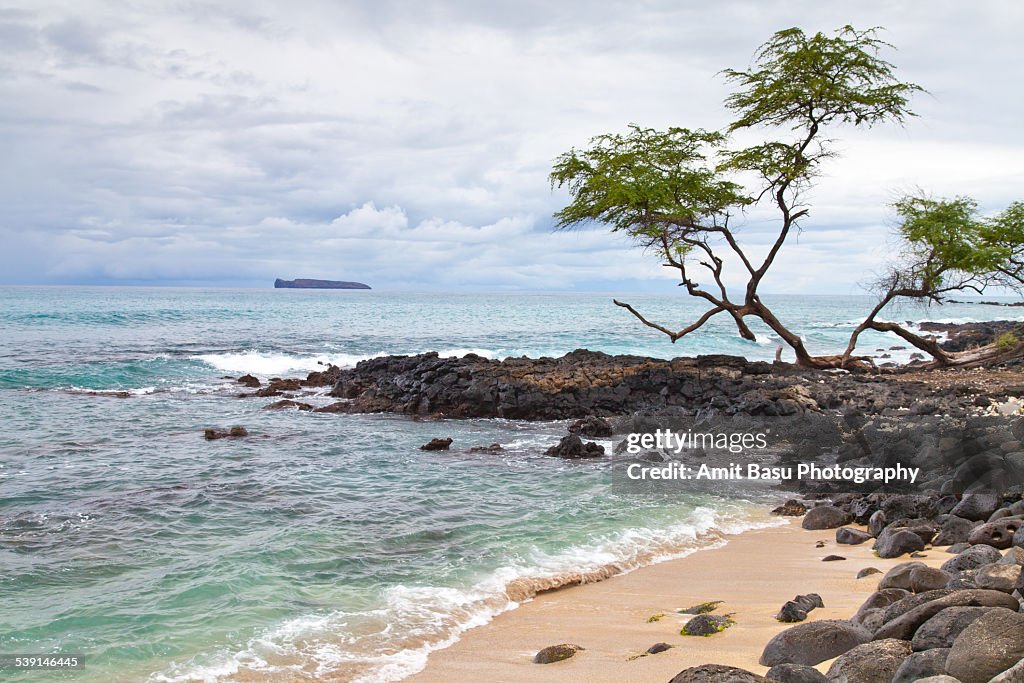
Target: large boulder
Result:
[[1015, 674], [1013, 555], [972, 558], [954, 530], [998, 577], [715, 673], [914, 600], [850, 536], [875, 662], [904, 627], [998, 534], [976, 506], [794, 673], [825, 517], [988, 647], [899, 542], [899, 576], [909, 506], [923, 579], [573, 447], [813, 643], [921, 665], [942, 629], [556, 653]]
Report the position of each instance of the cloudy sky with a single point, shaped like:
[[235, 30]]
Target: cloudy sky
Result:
[[407, 144]]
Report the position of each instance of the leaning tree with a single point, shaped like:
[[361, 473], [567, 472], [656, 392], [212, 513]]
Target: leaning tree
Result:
[[680, 192], [945, 247]]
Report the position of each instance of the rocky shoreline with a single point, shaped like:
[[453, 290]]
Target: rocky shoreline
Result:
[[961, 623]]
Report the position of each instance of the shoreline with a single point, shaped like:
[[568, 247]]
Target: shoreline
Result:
[[754, 573]]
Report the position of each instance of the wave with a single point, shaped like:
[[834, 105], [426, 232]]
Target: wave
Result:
[[394, 641], [271, 364], [276, 364]]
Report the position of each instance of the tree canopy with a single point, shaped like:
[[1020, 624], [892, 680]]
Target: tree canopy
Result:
[[677, 191]]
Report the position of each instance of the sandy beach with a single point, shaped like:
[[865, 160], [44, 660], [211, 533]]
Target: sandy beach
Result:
[[754, 573]]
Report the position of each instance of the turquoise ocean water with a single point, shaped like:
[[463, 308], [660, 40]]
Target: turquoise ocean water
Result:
[[322, 547]]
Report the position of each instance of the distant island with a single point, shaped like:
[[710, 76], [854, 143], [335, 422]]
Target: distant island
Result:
[[317, 284]]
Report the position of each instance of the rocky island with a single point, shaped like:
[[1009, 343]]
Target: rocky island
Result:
[[309, 283]]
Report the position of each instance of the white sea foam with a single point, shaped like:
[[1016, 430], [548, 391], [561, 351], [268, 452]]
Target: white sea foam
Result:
[[394, 642], [276, 364]]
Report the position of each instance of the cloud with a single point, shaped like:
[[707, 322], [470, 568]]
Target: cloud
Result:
[[408, 144]]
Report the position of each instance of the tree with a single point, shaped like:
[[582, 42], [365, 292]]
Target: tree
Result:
[[948, 247], [678, 191]]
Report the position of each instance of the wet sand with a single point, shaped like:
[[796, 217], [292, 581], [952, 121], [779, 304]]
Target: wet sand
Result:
[[753, 574]]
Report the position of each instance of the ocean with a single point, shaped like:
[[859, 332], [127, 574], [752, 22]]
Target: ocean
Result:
[[323, 546]]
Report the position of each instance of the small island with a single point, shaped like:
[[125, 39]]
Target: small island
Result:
[[317, 284]]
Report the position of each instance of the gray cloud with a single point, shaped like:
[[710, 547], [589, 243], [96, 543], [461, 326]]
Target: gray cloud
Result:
[[408, 144]]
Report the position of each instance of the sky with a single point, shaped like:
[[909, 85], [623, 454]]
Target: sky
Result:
[[408, 144]]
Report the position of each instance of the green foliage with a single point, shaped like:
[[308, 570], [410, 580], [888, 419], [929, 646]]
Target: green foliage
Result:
[[1007, 341], [655, 618], [674, 190], [950, 245], [800, 80], [644, 182]]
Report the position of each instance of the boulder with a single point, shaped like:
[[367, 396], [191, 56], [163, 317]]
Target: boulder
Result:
[[794, 673], [998, 534], [998, 577], [791, 508], [900, 542], [922, 665], [899, 576], [214, 433], [1018, 539], [877, 522], [868, 571], [573, 447], [875, 662], [964, 579], [491, 449], [825, 517], [905, 626], [715, 673], [1015, 674], [909, 506], [939, 679], [976, 506], [706, 625], [923, 579], [814, 642], [658, 648], [849, 536], [972, 558], [592, 426], [954, 530], [248, 381], [437, 444], [287, 403], [993, 643], [958, 548], [1013, 555], [914, 600], [797, 608], [556, 653], [879, 600], [941, 630]]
